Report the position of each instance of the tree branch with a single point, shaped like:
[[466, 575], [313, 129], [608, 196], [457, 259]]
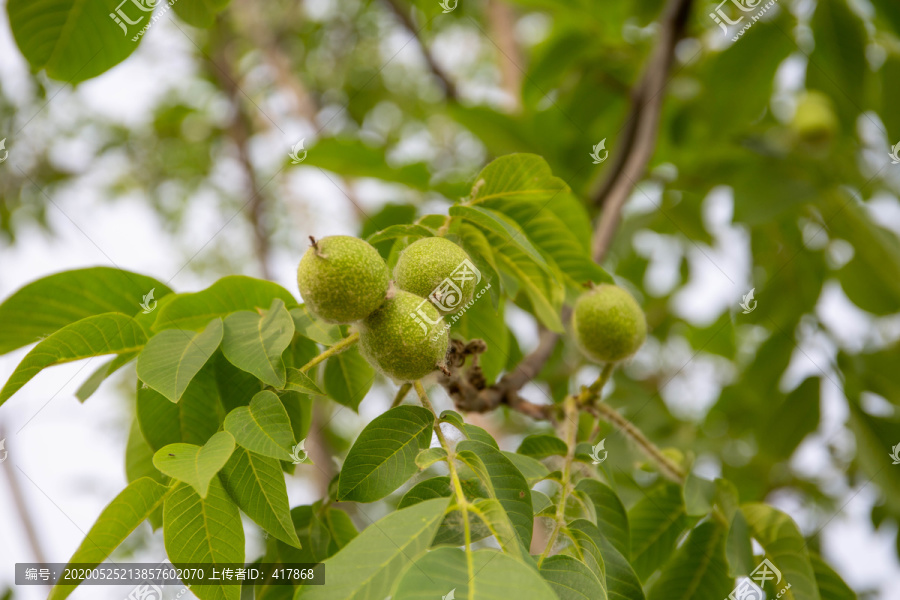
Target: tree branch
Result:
[[502, 21], [402, 13], [239, 130], [642, 128]]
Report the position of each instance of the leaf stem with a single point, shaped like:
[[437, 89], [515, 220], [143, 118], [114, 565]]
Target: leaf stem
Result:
[[457, 485], [401, 394], [666, 465], [339, 347], [571, 425]]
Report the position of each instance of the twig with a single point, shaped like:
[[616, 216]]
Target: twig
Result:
[[401, 394], [454, 477], [641, 129], [239, 131], [342, 345], [666, 466], [15, 490], [470, 392], [502, 21], [571, 427], [402, 13]]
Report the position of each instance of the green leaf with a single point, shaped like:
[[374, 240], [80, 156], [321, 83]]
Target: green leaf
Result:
[[698, 570], [785, 548], [116, 522], [545, 295], [429, 456], [531, 469], [368, 567], [497, 577], [204, 530], [453, 418], [875, 437], [698, 495], [310, 327], [312, 534], [383, 457], [739, 547], [541, 445], [263, 427], [656, 522], [92, 383], [139, 458], [585, 549], [408, 230], [196, 465], [571, 579], [871, 279], [75, 41], [299, 381], [830, 584], [436, 487], [348, 378], [501, 226], [256, 484], [236, 387], [479, 434], [495, 517], [227, 295], [621, 581], [838, 64], [561, 229], [50, 303], [506, 482], [109, 333], [199, 13], [193, 420], [612, 520], [357, 159], [172, 358], [541, 501], [519, 177], [254, 341]]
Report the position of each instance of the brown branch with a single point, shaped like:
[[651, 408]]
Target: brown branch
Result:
[[239, 130], [641, 129], [402, 13], [502, 21], [22, 508], [270, 41], [468, 389], [631, 161]]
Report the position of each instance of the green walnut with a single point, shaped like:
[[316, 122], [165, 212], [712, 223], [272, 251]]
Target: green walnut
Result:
[[342, 279], [405, 338], [609, 324], [434, 268], [815, 122]]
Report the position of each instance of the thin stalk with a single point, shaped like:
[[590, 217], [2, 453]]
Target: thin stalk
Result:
[[597, 387], [401, 394], [666, 466], [342, 345], [571, 409], [457, 486]]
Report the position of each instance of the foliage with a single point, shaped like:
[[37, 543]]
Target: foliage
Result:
[[228, 377], [672, 542]]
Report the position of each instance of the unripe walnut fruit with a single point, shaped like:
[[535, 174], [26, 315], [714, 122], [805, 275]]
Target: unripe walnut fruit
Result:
[[342, 279], [609, 324], [399, 342], [815, 121], [426, 263]]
